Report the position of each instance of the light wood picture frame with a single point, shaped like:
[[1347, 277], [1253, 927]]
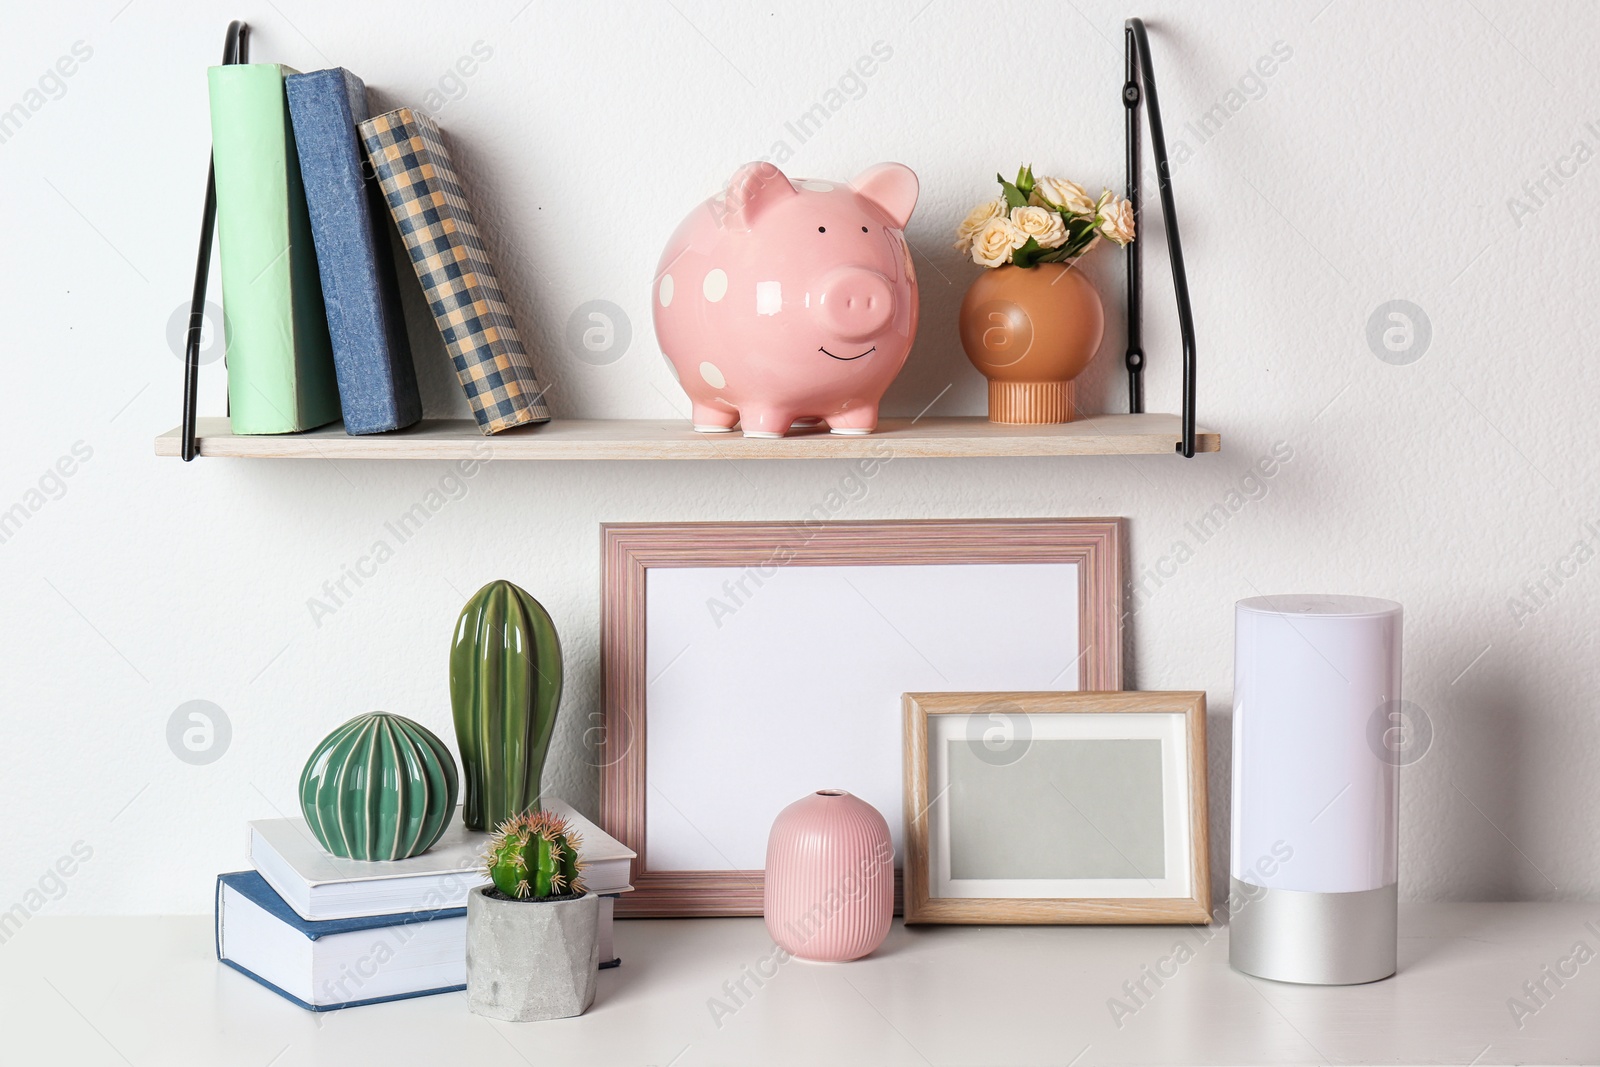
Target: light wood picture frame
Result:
[[1107, 826], [826, 619]]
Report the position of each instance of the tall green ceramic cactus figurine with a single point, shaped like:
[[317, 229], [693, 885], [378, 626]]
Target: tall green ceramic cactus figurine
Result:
[[505, 689]]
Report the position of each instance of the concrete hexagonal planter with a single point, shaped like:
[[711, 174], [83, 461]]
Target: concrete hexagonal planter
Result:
[[529, 960]]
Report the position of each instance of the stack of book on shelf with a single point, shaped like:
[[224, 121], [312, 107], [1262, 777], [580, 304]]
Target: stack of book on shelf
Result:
[[330, 933], [315, 328]]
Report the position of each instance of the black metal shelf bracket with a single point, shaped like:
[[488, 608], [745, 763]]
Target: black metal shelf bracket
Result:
[[235, 49], [1138, 89]]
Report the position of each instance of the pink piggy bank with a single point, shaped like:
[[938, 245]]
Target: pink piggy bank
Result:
[[779, 301]]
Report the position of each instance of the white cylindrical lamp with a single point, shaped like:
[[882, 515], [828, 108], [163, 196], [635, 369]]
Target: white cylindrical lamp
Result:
[[1314, 851]]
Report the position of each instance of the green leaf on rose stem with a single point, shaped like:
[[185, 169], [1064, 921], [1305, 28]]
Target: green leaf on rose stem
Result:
[[1071, 248], [1014, 196], [1027, 255]]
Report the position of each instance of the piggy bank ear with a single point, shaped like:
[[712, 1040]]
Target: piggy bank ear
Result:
[[753, 190], [893, 187]]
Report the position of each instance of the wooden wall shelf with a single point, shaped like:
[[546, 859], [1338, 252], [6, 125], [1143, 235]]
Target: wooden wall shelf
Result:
[[636, 439]]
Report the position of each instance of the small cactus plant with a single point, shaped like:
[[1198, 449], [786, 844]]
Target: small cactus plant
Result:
[[534, 856]]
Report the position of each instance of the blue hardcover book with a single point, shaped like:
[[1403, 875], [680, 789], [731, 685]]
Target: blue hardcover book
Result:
[[349, 226], [337, 963]]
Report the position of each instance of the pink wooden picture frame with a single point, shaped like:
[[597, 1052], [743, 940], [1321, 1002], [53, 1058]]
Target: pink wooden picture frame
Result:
[[630, 550]]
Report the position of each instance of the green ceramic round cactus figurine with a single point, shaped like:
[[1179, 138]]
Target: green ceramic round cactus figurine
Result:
[[380, 787], [505, 689]]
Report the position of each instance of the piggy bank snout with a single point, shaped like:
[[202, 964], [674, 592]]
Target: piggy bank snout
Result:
[[854, 303]]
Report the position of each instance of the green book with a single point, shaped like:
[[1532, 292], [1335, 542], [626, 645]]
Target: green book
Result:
[[280, 361]]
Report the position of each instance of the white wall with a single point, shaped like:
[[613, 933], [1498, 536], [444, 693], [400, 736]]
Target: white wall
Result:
[[1375, 164]]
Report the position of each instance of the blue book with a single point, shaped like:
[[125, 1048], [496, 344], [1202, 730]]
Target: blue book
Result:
[[337, 963], [349, 226]]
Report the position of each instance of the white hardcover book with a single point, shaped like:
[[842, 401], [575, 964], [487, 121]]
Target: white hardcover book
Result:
[[608, 863], [321, 886]]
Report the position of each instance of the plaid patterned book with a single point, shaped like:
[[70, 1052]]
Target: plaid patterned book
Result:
[[419, 181]]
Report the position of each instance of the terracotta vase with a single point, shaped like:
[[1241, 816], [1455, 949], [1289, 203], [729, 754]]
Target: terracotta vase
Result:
[[830, 878], [1030, 331]]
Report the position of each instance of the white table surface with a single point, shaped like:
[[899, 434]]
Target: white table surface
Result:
[[148, 991]]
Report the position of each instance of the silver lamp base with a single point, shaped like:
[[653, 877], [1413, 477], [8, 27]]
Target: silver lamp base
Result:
[[1313, 938]]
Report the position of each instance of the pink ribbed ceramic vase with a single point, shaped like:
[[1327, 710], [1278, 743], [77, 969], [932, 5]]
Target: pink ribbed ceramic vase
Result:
[[830, 878]]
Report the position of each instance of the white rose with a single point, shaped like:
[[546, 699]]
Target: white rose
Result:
[[1061, 195], [1116, 221], [989, 209], [994, 242], [1042, 224]]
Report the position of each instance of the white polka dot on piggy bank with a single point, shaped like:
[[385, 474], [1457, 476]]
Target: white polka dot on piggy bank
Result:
[[782, 301]]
